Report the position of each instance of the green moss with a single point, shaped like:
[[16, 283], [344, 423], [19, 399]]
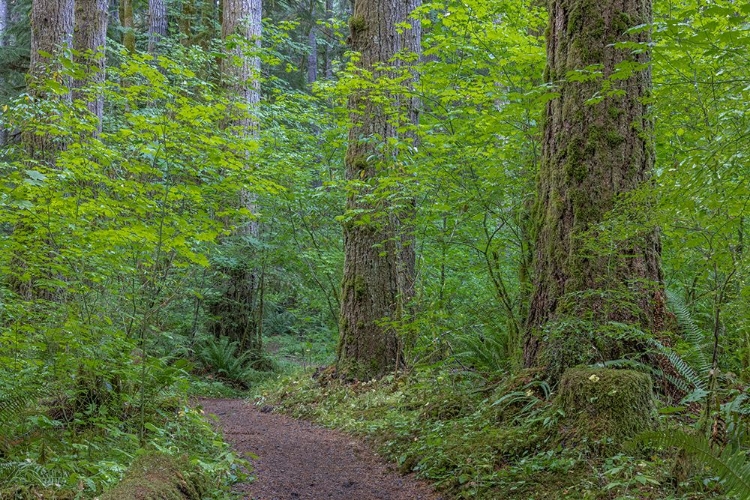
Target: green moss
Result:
[[357, 24], [156, 476], [360, 287], [604, 407], [614, 112]]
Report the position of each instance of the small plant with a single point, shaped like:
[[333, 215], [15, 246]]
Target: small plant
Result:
[[220, 356], [729, 464]]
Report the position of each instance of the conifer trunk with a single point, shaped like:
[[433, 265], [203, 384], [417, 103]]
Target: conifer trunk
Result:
[[51, 30], [239, 310], [584, 279], [157, 24], [89, 40], [378, 263], [3, 28]]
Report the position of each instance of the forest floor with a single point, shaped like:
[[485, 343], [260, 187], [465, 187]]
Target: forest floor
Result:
[[295, 459]]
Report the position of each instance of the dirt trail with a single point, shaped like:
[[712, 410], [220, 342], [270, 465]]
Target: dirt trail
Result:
[[299, 460]]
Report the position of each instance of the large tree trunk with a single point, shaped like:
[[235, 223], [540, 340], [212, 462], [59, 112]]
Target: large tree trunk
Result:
[[378, 263], [51, 30], [586, 281], [89, 40], [3, 28], [157, 24], [239, 309]]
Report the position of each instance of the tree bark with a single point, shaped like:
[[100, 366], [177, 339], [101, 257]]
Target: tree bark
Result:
[[3, 28], [239, 308], [312, 57], [89, 40], [157, 24], [126, 21], [327, 66], [51, 30], [584, 279], [378, 266]]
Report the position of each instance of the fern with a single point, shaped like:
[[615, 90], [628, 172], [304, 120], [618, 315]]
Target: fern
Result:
[[683, 369], [29, 474], [221, 357], [730, 466], [483, 352], [691, 333]]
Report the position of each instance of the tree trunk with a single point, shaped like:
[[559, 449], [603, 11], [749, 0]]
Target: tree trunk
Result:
[[3, 28], [51, 29], [312, 57], [126, 21], [238, 308], [327, 66], [157, 24], [89, 40], [377, 265], [587, 281], [243, 18]]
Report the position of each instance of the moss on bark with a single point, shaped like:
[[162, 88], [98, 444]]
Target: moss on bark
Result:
[[156, 476], [604, 407]]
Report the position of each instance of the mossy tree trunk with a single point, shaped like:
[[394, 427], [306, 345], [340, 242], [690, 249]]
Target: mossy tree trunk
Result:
[[594, 153], [378, 254], [127, 23]]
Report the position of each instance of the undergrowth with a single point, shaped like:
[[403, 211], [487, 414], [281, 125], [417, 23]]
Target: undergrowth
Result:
[[476, 437]]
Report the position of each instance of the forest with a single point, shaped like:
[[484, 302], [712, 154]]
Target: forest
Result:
[[501, 241]]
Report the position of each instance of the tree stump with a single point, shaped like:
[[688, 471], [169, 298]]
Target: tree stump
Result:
[[604, 407]]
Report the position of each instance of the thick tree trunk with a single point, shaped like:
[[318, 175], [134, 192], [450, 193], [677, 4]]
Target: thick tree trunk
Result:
[[243, 18], [586, 281], [157, 24], [89, 40], [239, 309], [51, 29], [378, 265]]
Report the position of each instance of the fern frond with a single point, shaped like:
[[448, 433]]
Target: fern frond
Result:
[[681, 366], [691, 333], [731, 466], [28, 473]]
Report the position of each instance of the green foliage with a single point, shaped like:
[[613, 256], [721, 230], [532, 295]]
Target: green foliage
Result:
[[220, 356], [730, 465]]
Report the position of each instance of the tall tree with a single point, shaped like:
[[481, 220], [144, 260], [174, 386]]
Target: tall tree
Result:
[[3, 28], [240, 307], [376, 263], [594, 154], [157, 24], [128, 26], [89, 41], [327, 66], [51, 30]]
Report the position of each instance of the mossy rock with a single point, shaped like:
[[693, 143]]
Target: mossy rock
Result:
[[604, 407], [156, 476]]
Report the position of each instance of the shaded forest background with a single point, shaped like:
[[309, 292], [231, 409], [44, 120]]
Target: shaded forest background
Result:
[[188, 240]]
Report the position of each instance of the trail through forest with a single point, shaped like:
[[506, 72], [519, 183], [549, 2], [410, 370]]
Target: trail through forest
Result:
[[299, 460]]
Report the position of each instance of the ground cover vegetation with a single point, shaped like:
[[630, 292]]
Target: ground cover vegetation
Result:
[[193, 203]]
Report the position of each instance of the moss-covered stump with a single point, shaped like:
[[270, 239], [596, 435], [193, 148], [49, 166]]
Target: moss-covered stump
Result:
[[603, 407], [156, 476]]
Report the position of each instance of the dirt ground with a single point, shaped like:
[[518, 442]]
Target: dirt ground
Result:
[[299, 460]]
